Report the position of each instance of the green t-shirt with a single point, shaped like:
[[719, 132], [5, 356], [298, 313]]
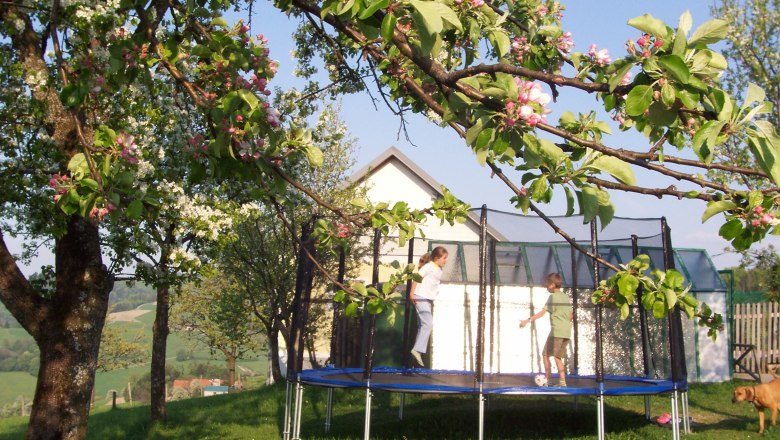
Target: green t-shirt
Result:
[[559, 307]]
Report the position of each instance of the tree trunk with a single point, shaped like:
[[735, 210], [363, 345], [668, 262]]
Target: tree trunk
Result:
[[273, 349], [160, 332], [231, 363], [66, 327]]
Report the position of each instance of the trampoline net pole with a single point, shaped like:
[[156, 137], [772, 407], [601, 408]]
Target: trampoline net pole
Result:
[[575, 307], [368, 356], [336, 330], [407, 311], [480, 370], [674, 318], [599, 308]]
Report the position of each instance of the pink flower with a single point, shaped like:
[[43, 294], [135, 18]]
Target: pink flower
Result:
[[523, 191], [626, 79], [757, 209], [273, 117], [756, 223], [343, 230], [766, 219], [477, 3], [565, 42]]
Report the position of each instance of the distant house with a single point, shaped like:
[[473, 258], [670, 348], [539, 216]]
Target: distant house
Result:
[[213, 390], [189, 384]]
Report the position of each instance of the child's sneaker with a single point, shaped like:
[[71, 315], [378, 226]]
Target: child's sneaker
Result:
[[417, 358], [562, 383]]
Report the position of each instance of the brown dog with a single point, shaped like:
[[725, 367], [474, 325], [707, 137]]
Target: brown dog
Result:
[[762, 396]]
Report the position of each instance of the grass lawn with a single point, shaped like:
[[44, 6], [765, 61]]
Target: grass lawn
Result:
[[258, 414]]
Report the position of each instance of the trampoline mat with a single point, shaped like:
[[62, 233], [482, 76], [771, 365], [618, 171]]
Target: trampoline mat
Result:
[[420, 380]]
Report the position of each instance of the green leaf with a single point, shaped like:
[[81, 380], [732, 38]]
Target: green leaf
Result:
[[569, 201], [676, 67], [668, 96], [617, 77], [711, 31], [628, 285], [717, 207], [661, 115], [78, 166], [484, 139], [624, 310], [765, 146], [685, 22], [314, 155], [249, 98], [659, 311], [89, 183], [754, 94], [615, 167], [388, 27], [372, 8], [351, 309], [134, 209], [731, 229], [705, 139], [500, 41], [219, 22], [589, 204], [649, 24], [638, 100]]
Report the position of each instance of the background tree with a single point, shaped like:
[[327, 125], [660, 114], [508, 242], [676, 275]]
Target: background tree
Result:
[[216, 313], [118, 349], [751, 50], [265, 256]]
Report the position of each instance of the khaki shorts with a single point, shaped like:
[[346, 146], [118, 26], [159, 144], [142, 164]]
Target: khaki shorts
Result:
[[555, 347]]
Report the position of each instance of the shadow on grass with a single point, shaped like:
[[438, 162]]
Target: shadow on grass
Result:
[[435, 417]]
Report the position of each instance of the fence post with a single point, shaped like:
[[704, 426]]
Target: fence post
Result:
[[113, 399]]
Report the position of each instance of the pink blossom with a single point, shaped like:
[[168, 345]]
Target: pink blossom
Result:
[[766, 219], [477, 3], [565, 42], [523, 191], [626, 79], [343, 230], [757, 209], [273, 117], [600, 57], [756, 223]]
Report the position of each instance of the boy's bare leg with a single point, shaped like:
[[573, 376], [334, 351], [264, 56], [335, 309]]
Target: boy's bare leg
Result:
[[547, 367], [559, 366]]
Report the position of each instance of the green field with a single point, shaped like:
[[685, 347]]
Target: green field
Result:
[[23, 384], [259, 414]]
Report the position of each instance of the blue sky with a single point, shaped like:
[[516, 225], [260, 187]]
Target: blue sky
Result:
[[445, 157]]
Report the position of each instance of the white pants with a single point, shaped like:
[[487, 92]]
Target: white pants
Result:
[[424, 324]]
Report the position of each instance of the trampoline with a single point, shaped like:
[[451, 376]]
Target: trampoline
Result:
[[426, 381], [353, 351]]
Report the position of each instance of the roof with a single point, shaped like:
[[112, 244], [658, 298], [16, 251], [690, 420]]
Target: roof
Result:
[[392, 154]]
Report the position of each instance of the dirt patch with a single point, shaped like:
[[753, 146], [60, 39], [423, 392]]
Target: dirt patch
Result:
[[127, 315]]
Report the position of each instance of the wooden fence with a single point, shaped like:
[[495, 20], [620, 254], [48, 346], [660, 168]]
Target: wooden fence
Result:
[[756, 327]]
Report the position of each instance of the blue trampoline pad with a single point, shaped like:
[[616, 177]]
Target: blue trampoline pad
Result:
[[425, 381]]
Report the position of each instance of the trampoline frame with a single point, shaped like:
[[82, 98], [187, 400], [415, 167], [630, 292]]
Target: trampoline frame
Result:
[[372, 378]]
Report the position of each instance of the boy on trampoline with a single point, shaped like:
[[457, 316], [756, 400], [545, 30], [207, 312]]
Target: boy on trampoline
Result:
[[422, 296], [560, 309]]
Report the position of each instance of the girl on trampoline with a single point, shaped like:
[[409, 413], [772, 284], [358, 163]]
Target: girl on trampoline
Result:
[[422, 297], [560, 309]]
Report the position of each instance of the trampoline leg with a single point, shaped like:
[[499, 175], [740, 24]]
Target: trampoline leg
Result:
[[287, 412], [296, 435], [648, 416], [686, 420], [675, 418], [367, 425], [401, 406], [329, 410], [481, 416], [600, 416]]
